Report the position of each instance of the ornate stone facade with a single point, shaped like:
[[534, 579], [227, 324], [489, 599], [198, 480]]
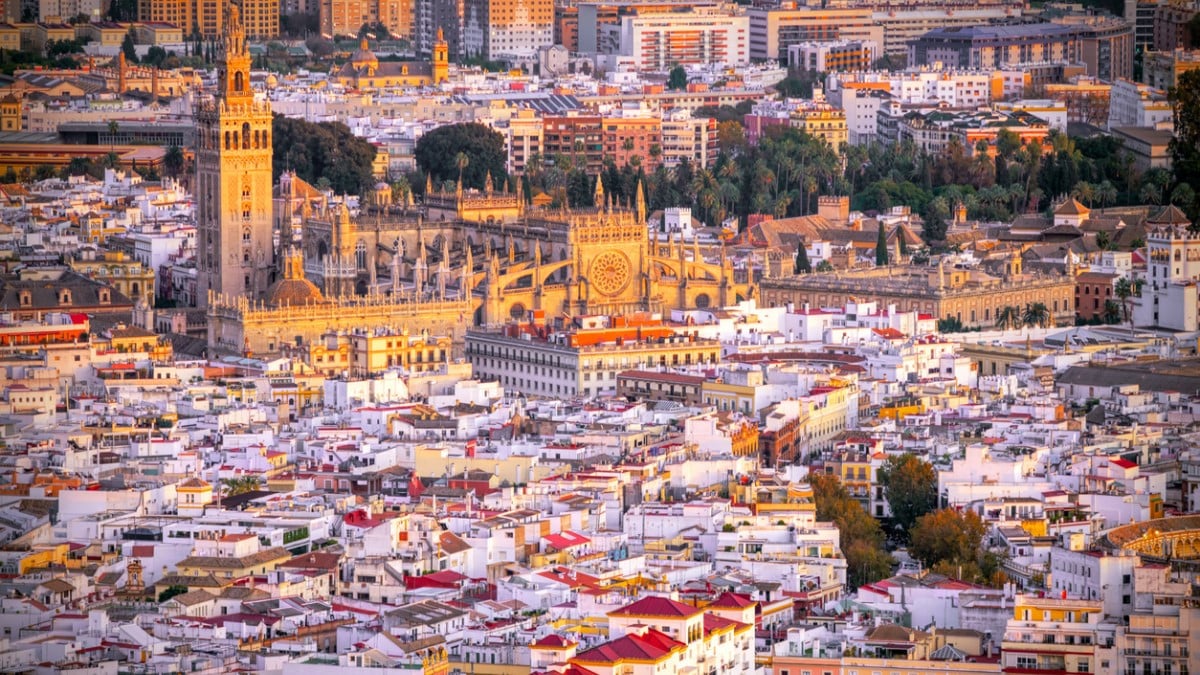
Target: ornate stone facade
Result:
[[972, 296], [235, 245], [469, 259]]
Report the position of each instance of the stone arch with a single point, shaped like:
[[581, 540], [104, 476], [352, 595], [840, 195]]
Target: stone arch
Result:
[[322, 249]]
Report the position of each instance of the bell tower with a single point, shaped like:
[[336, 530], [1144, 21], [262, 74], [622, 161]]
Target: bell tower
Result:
[[441, 59], [235, 250]]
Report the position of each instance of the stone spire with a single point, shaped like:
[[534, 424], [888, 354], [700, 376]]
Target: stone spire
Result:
[[598, 198], [468, 269], [488, 187], [641, 204]]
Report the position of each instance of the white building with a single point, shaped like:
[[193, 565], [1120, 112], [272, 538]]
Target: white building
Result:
[[1169, 298], [1133, 104], [700, 36], [507, 30]]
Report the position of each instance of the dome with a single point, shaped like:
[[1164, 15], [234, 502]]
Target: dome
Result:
[[287, 292], [364, 57]]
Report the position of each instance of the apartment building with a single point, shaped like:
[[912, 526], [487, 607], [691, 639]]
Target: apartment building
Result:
[[1171, 23], [633, 139], [825, 57], [346, 17], [688, 137], [694, 36], [578, 137], [581, 362], [507, 29], [1161, 70], [996, 47], [773, 30], [598, 22], [260, 18], [523, 137], [1132, 104], [821, 120], [1052, 634]]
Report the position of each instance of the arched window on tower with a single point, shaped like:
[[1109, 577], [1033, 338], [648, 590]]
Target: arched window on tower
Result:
[[360, 255], [238, 81], [246, 136]]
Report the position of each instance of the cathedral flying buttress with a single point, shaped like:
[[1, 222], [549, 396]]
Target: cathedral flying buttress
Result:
[[466, 258]]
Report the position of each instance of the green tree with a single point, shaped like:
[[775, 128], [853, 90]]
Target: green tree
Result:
[[881, 247], [911, 489], [437, 154], [677, 79], [1008, 317], [171, 591], [1185, 146], [948, 538], [173, 161], [323, 150], [128, 48], [1112, 312], [1124, 290], [1036, 314], [239, 486], [824, 266], [803, 266], [860, 535]]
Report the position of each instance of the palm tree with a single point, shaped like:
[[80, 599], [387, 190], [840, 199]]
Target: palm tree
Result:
[[173, 161], [1084, 192], [1112, 312], [1008, 317], [1107, 193], [1124, 290], [461, 161], [1036, 314], [240, 485]]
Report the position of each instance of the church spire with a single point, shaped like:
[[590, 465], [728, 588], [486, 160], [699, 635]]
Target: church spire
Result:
[[598, 200]]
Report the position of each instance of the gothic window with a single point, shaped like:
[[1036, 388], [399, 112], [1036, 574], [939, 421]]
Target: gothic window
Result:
[[360, 255], [246, 211], [246, 188], [246, 136], [245, 234], [238, 81], [227, 141]]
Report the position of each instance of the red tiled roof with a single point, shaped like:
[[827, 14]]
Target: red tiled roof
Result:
[[729, 600], [657, 606], [553, 641], [650, 646], [1123, 463], [566, 539]]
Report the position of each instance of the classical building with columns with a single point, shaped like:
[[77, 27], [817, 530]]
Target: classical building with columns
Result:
[[973, 296]]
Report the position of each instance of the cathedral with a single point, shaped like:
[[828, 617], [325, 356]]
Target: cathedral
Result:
[[462, 258]]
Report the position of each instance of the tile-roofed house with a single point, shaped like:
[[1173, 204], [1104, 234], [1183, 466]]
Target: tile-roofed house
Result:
[[61, 291], [652, 646]]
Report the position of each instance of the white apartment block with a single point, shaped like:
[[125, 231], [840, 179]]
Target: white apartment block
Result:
[[702, 36], [507, 29], [1133, 104]]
